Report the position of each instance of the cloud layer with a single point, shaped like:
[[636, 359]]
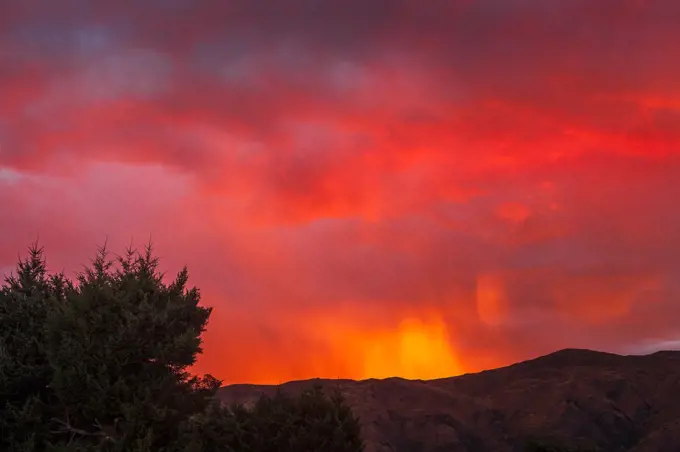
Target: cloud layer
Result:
[[363, 188]]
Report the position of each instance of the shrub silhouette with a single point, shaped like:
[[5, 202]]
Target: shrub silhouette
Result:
[[312, 421], [101, 364]]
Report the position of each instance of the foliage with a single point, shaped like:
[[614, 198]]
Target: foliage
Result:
[[101, 364], [311, 422]]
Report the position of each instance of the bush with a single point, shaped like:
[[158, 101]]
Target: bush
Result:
[[101, 364], [311, 421]]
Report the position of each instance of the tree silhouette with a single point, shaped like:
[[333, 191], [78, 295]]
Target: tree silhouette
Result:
[[101, 364]]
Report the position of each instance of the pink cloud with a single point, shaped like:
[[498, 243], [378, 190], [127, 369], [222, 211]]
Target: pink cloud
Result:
[[496, 179]]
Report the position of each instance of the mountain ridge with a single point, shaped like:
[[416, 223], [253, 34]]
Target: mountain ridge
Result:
[[571, 396]]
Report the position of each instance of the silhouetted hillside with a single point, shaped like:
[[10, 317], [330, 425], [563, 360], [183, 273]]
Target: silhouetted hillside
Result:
[[572, 397]]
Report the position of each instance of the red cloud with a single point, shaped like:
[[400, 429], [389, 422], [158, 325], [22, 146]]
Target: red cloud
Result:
[[347, 184]]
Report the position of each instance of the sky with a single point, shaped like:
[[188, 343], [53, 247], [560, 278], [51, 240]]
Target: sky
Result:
[[360, 189]]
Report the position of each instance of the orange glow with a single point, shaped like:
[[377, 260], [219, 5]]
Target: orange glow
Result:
[[415, 350], [347, 345]]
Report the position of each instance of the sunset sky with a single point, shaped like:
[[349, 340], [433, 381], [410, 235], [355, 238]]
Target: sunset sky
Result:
[[360, 188]]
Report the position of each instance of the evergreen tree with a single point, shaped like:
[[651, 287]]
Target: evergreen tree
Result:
[[101, 365], [25, 371]]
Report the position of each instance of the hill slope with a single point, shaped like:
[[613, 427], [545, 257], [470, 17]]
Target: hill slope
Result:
[[619, 403]]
